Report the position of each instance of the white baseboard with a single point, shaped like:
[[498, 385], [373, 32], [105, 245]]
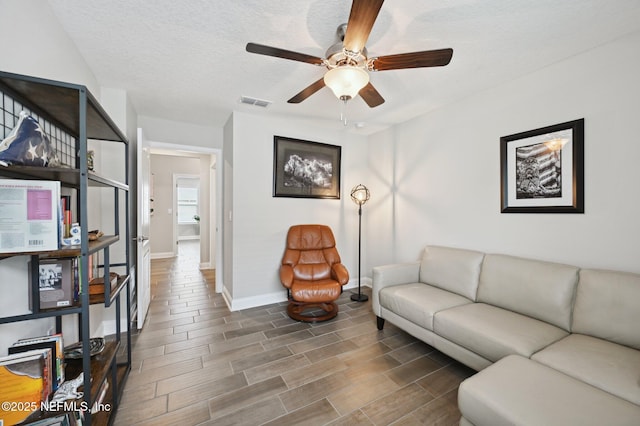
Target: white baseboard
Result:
[[162, 255], [238, 304], [227, 298], [353, 283], [205, 265]]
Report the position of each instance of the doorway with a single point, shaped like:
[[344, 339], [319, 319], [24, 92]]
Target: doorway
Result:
[[168, 160], [187, 206]]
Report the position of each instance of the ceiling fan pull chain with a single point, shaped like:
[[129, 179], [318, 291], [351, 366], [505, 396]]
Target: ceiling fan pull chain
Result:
[[343, 112]]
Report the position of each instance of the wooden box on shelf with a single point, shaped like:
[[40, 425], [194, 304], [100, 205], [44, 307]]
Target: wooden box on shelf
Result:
[[96, 285]]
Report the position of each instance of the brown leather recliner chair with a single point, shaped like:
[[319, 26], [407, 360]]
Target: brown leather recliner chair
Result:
[[312, 273]]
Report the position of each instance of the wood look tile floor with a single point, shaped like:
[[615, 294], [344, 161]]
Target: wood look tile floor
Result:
[[197, 363]]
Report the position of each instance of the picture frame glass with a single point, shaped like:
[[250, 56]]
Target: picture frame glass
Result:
[[538, 173], [50, 278]]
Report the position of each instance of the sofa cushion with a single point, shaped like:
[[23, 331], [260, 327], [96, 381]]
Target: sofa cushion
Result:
[[494, 332], [538, 289], [607, 306], [418, 302], [456, 270], [611, 367], [519, 391]]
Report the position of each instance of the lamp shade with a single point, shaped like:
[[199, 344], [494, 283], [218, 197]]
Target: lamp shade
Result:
[[346, 81], [360, 194]]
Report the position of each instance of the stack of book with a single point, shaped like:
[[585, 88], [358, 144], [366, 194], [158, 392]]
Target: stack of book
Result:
[[26, 383], [53, 342], [30, 373]]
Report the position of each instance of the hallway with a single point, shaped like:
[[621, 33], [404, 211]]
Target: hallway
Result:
[[197, 363]]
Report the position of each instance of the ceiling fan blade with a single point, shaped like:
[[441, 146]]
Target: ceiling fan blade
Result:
[[361, 19], [261, 49], [427, 58], [371, 96], [307, 91]]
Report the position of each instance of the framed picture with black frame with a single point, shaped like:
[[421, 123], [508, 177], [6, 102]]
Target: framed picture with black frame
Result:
[[305, 169], [542, 170], [55, 282]]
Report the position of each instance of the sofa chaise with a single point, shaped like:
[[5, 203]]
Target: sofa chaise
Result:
[[554, 344]]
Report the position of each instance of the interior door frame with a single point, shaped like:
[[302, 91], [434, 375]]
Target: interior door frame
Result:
[[214, 227]]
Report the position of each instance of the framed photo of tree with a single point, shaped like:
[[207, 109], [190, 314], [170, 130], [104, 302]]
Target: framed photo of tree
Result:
[[305, 169]]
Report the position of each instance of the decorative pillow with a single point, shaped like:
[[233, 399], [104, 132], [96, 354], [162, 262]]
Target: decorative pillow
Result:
[[27, 145]]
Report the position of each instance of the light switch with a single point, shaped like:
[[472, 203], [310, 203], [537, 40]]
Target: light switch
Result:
[[169, 211]]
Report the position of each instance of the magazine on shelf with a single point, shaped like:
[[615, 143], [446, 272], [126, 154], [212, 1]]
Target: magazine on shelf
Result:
[[53, 342], [26, 383], [29, 211]]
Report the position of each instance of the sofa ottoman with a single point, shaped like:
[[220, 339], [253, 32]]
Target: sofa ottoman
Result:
[[519, 391]]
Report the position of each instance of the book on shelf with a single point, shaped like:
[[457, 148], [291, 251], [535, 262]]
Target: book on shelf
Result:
[[26, 383], [29, 215], [56, 282], [65, 207], [53, 342]]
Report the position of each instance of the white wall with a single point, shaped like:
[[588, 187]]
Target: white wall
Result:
[[260, 221], [442, 185], [32, 42], [177, 132], [227, 211], [109, 163], [163, 167]]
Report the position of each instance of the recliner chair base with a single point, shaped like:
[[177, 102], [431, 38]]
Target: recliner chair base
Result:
[[296, 310]]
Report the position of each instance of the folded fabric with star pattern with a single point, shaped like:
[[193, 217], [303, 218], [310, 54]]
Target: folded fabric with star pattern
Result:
[[28, 145]]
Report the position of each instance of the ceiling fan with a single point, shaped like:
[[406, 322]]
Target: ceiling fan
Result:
[[348, 62]]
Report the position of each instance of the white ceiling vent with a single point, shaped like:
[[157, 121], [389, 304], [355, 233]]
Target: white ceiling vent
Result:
[[254, 101]]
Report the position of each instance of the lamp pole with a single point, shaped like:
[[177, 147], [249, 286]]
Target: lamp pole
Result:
[[360, 195]]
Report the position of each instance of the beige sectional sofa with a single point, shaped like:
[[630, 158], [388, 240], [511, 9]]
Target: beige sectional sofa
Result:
[[554, 344]]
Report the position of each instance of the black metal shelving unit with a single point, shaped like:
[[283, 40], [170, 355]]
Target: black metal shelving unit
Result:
[[70, 115]]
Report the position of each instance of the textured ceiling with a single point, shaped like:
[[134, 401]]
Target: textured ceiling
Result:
[[186, 60]]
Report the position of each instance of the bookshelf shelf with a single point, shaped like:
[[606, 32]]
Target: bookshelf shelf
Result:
[[70, 251], [66, 176], [46, 313]]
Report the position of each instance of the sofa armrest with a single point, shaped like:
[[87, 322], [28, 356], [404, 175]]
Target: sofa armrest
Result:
[[394, 274]]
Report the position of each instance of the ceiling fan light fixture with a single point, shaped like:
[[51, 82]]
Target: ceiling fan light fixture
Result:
[[346, 81]]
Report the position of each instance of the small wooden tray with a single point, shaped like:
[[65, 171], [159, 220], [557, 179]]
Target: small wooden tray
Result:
[[96, 285]]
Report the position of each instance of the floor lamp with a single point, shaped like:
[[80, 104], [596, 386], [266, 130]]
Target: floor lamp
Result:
[[360, 195]]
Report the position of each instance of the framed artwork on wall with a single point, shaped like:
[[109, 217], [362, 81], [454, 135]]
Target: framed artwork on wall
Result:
[[542, 170], [305, 169]]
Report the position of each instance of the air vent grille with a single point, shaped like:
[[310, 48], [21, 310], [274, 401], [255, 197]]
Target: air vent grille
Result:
[[254, 101]]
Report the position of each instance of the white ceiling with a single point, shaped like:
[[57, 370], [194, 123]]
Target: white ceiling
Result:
[[185, 60]]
